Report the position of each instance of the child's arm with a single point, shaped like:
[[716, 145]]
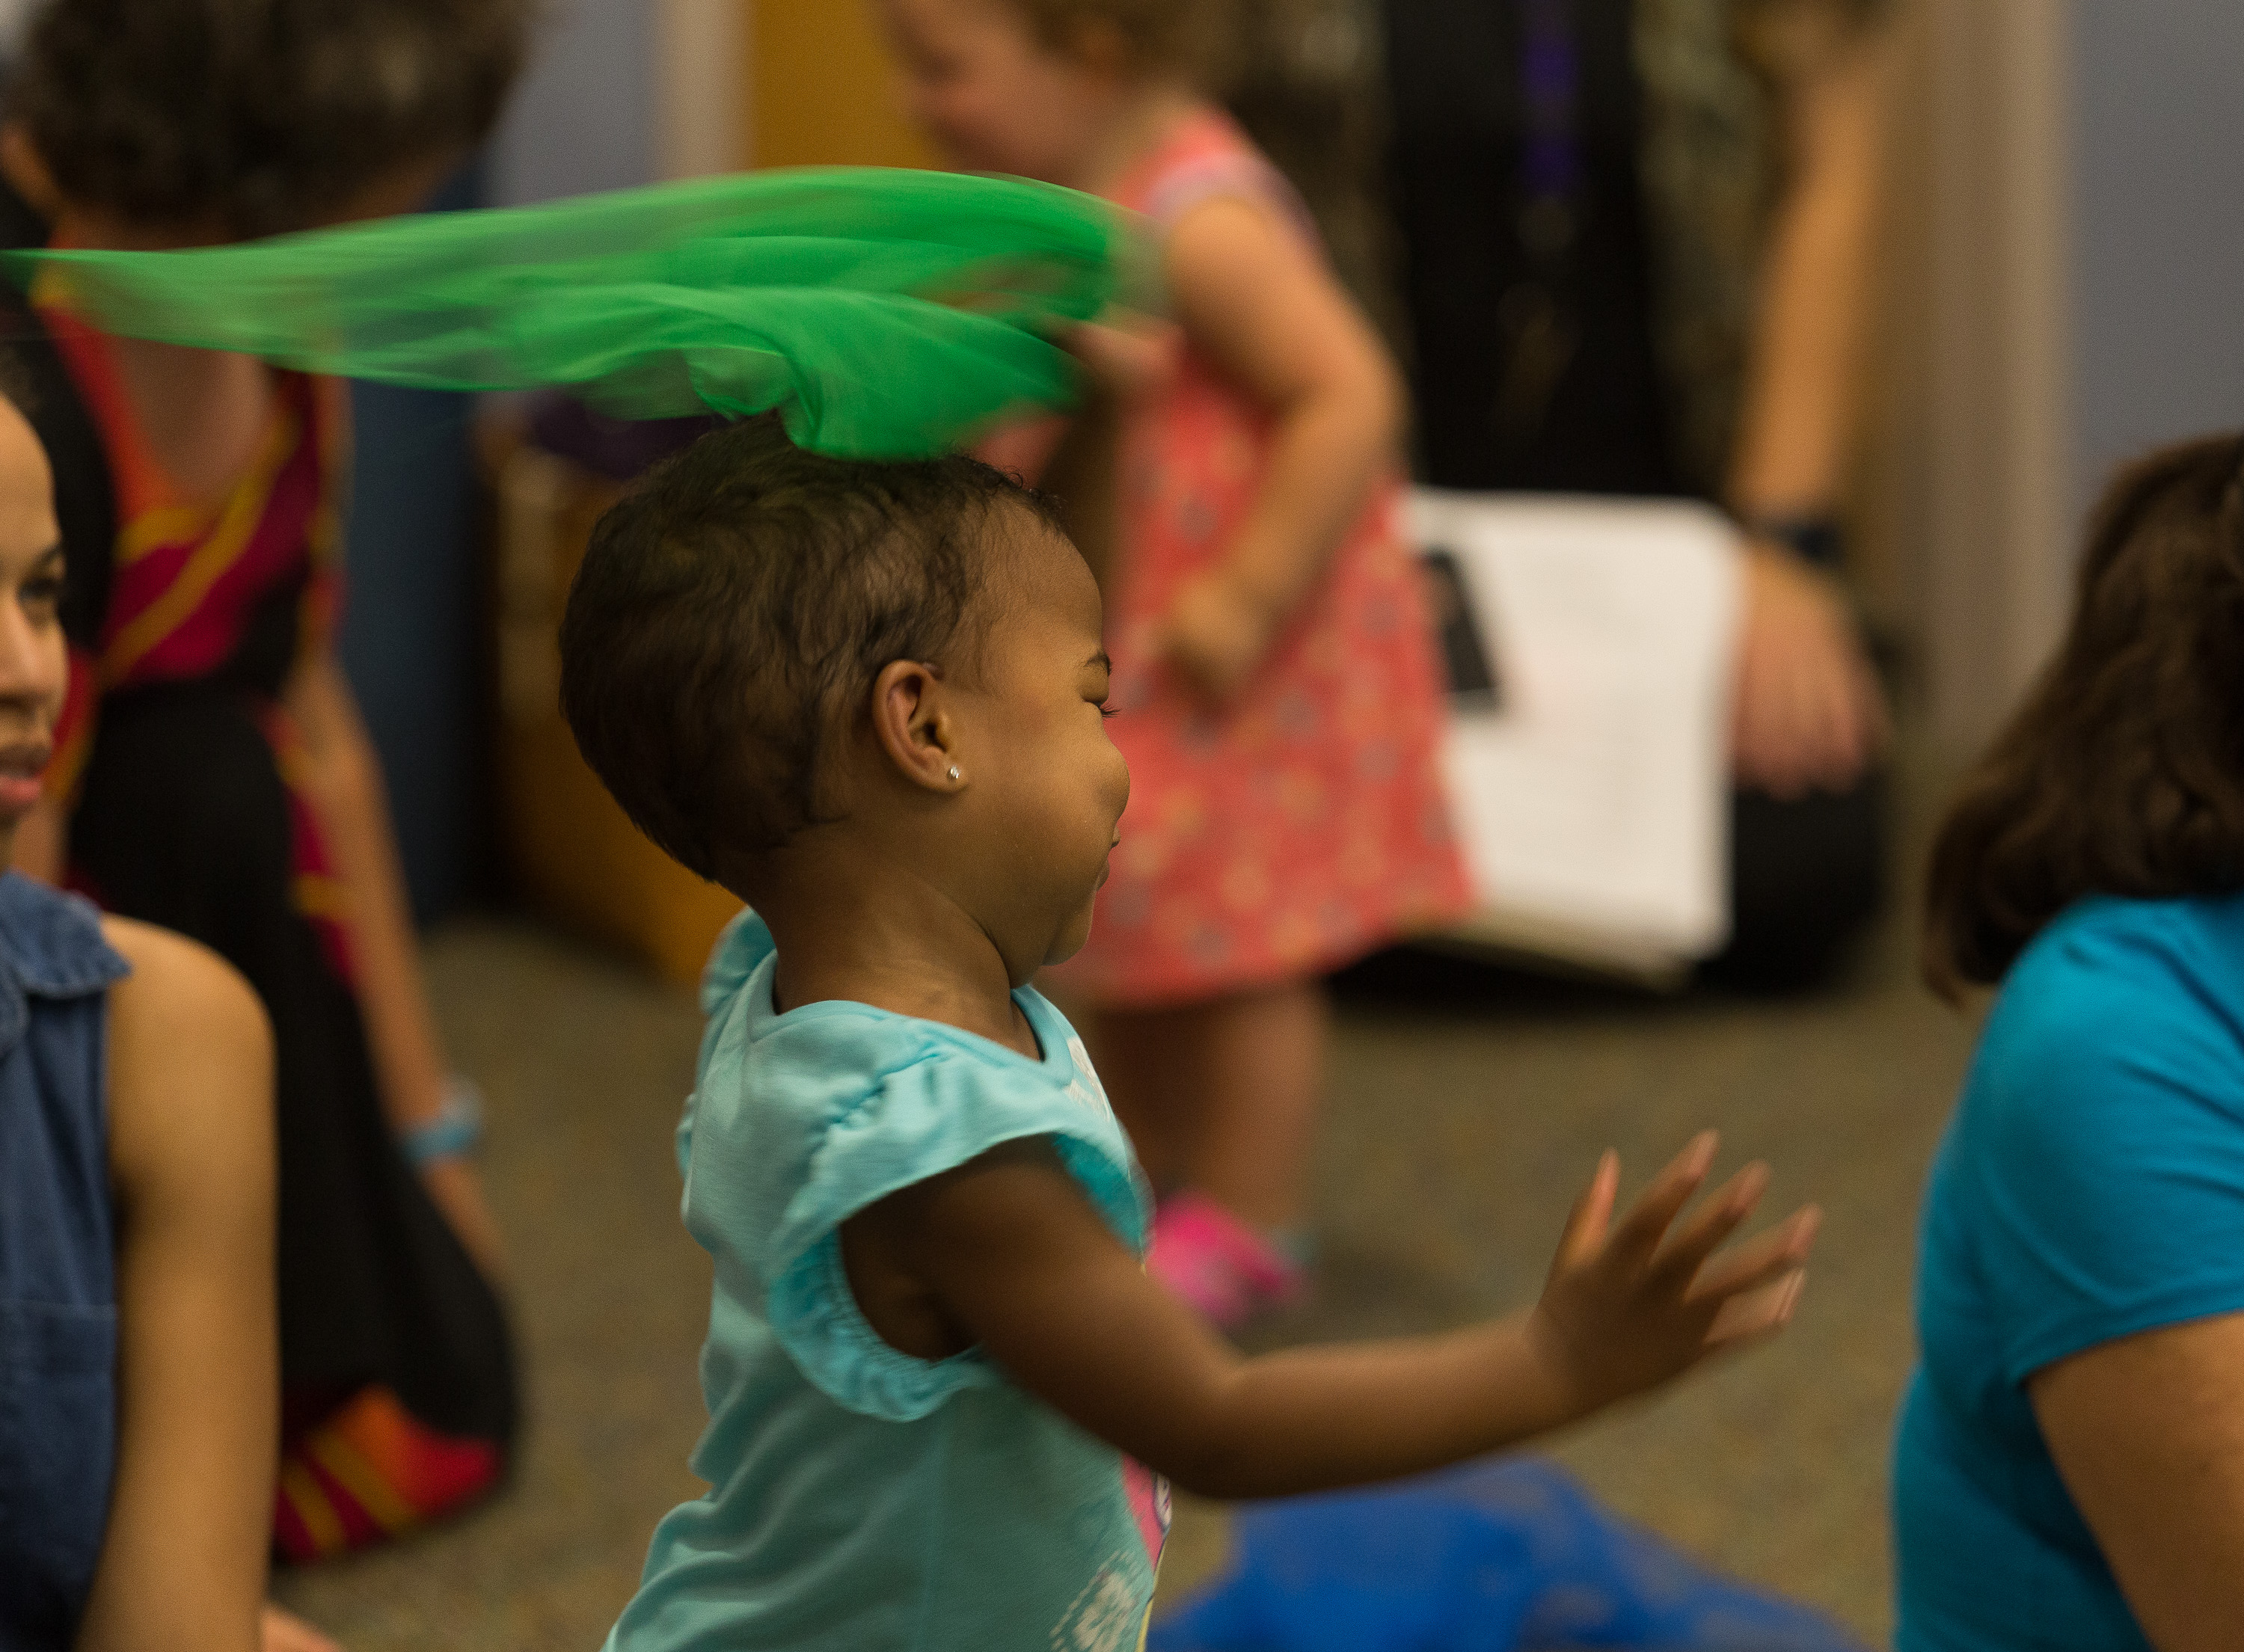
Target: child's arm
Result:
[[1018, 1261], [1259, 304], [1124, 358], [1081, 476], [343, 782]]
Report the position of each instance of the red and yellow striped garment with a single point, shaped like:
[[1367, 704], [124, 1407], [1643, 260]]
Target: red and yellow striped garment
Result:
[[189, 581]]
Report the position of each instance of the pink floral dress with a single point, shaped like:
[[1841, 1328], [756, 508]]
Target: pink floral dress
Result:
[[1304, 825]]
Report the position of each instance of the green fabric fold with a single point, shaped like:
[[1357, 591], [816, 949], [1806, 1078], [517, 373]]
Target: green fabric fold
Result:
[[884, 312]]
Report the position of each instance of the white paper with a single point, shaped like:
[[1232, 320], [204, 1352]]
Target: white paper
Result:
[[1593, 802]]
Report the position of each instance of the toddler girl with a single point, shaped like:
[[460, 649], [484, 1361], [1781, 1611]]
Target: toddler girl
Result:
[[1272, 663], [868, 698]]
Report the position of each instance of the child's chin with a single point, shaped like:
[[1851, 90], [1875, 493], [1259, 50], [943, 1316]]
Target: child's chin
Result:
[[1071, 941]]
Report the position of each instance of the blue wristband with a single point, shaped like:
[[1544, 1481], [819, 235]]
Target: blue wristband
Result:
[[454, 1132]]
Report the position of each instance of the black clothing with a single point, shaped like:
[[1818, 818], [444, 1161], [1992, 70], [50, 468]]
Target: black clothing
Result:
[[1806, 875], [183, 820], [1458, 189]]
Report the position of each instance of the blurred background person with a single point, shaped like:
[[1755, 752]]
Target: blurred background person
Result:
[[1275, 690], [2070, 1468], [1628, 249], [210, 770], [137, 1357]]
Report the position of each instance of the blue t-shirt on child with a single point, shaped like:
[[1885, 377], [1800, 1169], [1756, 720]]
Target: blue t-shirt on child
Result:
[[860, 1499], [2091, 1186]]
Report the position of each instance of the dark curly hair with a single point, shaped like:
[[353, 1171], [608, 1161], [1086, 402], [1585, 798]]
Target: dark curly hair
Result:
[[2123, 773], [734, 609], [256, 115]]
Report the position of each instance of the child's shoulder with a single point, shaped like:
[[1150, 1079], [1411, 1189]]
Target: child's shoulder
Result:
[[1205, 155], [798, 1119]]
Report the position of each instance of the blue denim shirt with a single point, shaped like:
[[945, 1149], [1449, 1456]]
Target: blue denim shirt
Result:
[[57, 1275]]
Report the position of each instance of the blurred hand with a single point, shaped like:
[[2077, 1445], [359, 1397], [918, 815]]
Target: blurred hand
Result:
[[1627, 1308], [279, 1631], [1808, 711], [1129, 358], [1215, 636]]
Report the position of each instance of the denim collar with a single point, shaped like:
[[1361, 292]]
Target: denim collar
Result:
[[51, 947]]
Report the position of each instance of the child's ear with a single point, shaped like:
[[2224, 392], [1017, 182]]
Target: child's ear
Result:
[[914, 724]]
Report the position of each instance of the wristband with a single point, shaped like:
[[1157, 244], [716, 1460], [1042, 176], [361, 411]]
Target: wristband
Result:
[[1819, 540], [456, 1130]]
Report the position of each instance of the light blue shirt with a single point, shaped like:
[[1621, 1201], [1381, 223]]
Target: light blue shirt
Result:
[[2091, 1186], [861, 1500]]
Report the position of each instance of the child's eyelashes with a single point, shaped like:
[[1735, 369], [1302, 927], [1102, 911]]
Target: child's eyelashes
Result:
[[1106, 711]]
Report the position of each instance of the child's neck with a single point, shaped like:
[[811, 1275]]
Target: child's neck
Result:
[[894, 941], [1140, 124]]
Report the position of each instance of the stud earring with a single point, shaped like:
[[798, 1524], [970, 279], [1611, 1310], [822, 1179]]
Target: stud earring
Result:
[[955, 776]]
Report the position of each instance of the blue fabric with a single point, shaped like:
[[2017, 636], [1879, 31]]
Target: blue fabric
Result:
[[2091, 1185], [57, 1275], [1487, 1558], [861, 1500]]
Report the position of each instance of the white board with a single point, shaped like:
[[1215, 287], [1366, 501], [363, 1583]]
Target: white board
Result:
[[1592, 800]]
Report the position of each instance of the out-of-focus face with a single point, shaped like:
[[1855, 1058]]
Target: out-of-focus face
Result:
[[34, 661], [991, 95]]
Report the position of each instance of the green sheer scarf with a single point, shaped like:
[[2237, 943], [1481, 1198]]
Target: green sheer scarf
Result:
[[883, 313]]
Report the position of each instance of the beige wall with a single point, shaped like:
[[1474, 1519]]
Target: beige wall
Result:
[[1970, 489], [2000, 528], [701, 101]]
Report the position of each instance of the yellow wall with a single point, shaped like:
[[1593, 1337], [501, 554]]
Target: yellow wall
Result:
[[820, 90]]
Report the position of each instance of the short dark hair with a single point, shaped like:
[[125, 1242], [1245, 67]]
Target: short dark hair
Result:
[[258, 116], [734, 609], [2123, 773]]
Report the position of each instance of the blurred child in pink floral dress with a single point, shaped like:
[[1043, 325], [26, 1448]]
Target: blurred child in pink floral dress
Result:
[[1274, 685]]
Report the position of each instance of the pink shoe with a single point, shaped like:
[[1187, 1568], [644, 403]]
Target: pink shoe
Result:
[[1216, 1264]]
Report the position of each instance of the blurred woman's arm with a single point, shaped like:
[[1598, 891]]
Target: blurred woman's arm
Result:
[[1802, 396], [2148, 1433], [344, 784], [191, 1149], [1808, 709]]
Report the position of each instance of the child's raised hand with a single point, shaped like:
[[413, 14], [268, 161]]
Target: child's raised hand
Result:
[[1626, 1308], [1007, 1253]]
